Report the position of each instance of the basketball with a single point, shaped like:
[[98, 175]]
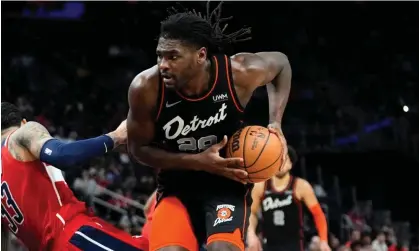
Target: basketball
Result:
[[260, 149]]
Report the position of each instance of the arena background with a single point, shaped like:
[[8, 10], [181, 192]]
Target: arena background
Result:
[[352, 114]]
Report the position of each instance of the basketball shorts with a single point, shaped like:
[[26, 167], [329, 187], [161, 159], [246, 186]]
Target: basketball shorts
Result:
[[90, 233], [190, 221]]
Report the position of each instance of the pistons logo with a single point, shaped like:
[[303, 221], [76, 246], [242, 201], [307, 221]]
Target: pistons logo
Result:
[[224, 214]]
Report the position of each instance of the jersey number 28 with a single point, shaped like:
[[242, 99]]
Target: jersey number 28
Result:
[[9, 209], [202, 144]]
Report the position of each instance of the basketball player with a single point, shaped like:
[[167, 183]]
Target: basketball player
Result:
[[181, 112], [36, 203], [279, 200]]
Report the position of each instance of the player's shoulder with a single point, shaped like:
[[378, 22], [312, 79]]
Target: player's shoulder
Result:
[[144, 85], [301, 183], [25, 130], [245, 61], [248, 68], [146, 79]]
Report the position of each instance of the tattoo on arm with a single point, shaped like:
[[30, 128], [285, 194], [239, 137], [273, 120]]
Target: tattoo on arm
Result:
[[32, 136], [14, 150]]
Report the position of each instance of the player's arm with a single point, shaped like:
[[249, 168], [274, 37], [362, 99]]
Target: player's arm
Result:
[[306, 194], [143, 110], [36, 139], [262, 68], [149, 202], [278, 71], [257, 194]]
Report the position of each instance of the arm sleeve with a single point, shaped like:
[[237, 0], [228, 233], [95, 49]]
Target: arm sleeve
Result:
[[61, 154]]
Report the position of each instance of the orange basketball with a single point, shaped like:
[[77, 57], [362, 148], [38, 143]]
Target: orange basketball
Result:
[[260, 149]]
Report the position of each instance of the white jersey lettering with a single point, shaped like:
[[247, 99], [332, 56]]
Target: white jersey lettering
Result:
[[195, 124], [269, 203]]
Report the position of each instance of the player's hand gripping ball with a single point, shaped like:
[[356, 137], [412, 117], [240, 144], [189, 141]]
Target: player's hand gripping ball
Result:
[[261, 149]]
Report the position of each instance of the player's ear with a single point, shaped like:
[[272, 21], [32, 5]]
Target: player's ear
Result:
[[24, 121], [202, 55]]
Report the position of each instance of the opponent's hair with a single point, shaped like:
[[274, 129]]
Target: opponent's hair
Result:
[[292, 154], [201, 30], [10, 115]]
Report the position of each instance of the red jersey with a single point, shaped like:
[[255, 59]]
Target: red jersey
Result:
[[35, 200]]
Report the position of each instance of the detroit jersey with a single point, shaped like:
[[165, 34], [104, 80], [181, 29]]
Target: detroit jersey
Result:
[[193, 124], [35, 200], [282, 223]]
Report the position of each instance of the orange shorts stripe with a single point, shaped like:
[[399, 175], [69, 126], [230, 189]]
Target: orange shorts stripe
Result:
[[234, 238], [172, 226]]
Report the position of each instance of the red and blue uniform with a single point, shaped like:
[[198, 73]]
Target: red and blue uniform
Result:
[[41, 210]]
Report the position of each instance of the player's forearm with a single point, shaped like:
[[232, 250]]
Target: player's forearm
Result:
[[319, 221], [253, 223], [282, 95], [282, 81], [158, 158], [61, 154]]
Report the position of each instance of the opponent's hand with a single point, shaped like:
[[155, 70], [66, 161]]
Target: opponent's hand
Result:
[[253, 242], [276, 129], [211, 161], [119, 136]]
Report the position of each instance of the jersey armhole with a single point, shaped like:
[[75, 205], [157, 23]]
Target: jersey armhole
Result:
[[294, 189], [231, 87], [160, 99]]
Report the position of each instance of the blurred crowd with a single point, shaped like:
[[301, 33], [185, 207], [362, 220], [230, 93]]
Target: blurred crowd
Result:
[[347, 94]]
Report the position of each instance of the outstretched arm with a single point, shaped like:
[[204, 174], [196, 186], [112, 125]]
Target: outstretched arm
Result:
[[36, 139]]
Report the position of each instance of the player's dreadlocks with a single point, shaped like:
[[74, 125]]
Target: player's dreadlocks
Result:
[[201, 30]]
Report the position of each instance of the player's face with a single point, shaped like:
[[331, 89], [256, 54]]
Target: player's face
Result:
[[177, 61], [285, 169]]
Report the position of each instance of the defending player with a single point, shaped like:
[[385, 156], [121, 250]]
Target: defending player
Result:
[[180, 111], [36, 203]]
